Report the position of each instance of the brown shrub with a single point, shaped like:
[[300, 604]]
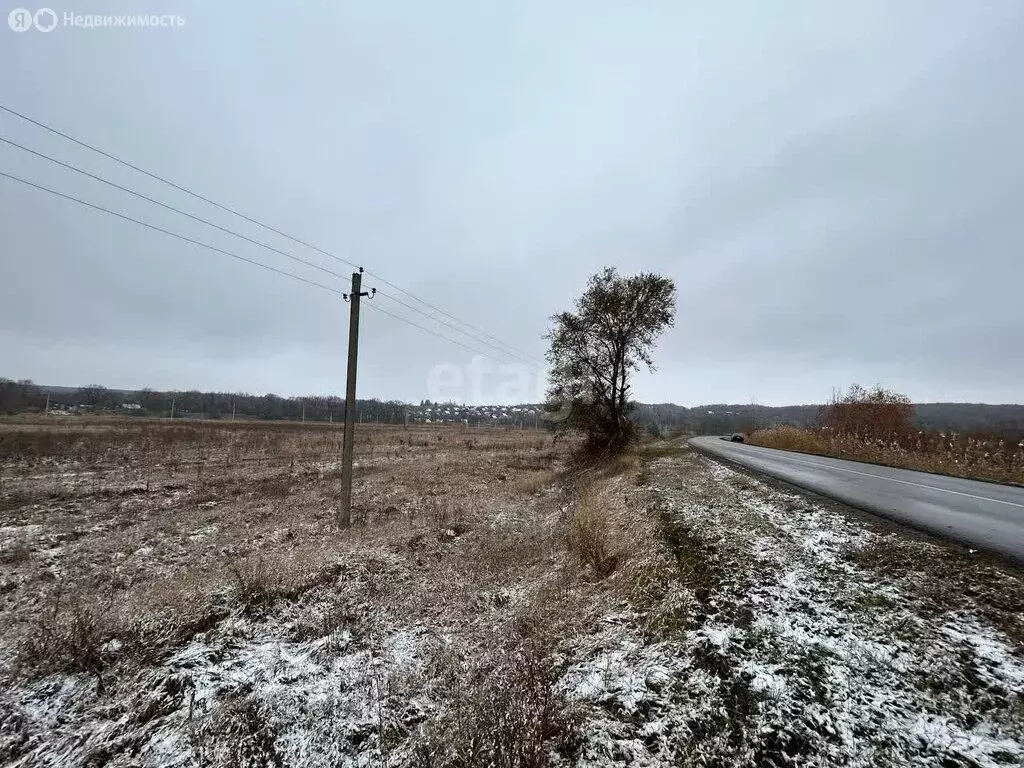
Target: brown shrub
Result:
[[869, 413]]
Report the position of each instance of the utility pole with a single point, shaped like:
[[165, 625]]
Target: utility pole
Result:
[[172, 407], [345, 512], [47, 403], [232, 411]]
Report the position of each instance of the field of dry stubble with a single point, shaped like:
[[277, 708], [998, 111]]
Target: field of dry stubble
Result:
[[179, 594], [126, 544]]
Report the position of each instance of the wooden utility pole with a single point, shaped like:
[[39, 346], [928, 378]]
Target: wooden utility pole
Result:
[[345, 512], [172, 407]]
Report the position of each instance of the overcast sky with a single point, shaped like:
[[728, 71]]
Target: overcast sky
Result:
[[836, 189]]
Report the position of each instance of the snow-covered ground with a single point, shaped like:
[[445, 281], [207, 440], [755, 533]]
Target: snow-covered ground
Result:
[[743, 626], [803, 652]]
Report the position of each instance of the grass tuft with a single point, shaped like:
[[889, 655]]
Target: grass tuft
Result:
[[68, 636], [506, 713], [592, 535]]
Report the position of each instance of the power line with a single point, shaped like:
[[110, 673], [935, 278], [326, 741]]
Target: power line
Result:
[[161, 179], [201, 244], [453, 317], [298, 259], [109, 183], [376, 308], [517, 357], [252, 221], [167, 232]]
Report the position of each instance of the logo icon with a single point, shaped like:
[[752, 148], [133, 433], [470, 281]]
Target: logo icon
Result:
[[45, 20], [20, 20]]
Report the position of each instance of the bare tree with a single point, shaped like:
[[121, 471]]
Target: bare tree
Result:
[[97, 396], [595, 349]]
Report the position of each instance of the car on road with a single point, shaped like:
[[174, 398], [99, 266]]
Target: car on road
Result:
[[736, 438]]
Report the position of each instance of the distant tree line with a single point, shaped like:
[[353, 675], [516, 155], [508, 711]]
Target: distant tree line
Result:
[[722, 418], [26, 397]]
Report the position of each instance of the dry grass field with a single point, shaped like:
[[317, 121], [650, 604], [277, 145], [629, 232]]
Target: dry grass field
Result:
[[145, 561], [992, 458], [179, 594]]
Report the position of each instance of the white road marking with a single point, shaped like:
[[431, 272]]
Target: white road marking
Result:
[[905, 482]]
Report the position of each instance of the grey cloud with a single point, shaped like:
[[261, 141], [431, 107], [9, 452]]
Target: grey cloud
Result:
[[834, 188]]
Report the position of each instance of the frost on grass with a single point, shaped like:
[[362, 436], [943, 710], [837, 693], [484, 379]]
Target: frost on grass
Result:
[[664, 611], [155, 618], [338, 676], [274, 689], [799, 653]]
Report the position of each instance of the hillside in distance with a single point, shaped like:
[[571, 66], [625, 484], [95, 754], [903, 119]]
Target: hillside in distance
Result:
[[1006, 419], [717, 418]]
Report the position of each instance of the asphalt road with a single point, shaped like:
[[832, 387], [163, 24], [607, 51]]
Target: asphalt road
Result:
[[982, 515]]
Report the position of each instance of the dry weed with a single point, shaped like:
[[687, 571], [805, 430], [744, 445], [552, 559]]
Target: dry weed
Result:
[[237, 734], [69, 635], [978, 457], [592, 534], [505, 712], [789, 438], [260, 580], [534, 481]]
